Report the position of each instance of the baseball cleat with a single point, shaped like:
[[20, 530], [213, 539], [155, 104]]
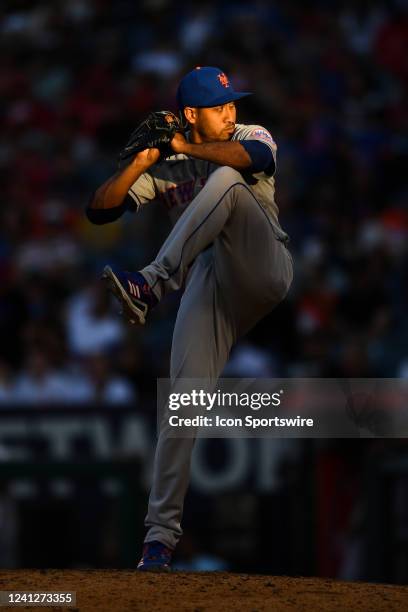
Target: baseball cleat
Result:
[[156, 557], [132, 291]]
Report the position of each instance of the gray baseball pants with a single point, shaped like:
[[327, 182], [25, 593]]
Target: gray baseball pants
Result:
[[232, 258]]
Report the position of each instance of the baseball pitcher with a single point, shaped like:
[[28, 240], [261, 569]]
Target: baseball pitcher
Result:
[[226, 248]]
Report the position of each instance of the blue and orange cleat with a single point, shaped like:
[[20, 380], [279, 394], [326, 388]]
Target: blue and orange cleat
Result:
[[132, 291], [156, 558]]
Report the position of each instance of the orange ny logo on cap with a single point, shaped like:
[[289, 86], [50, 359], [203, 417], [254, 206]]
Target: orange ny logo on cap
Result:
[[223, 79]]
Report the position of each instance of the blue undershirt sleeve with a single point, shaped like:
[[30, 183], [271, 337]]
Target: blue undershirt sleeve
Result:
[[100, 216], [260, 154]]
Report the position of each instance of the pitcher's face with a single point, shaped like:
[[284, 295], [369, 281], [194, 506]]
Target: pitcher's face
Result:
[[215, 123]]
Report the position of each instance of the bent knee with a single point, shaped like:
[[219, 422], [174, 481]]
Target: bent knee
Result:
[[227, 175]]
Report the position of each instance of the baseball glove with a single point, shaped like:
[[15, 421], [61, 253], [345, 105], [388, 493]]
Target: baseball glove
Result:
[[156, 131]]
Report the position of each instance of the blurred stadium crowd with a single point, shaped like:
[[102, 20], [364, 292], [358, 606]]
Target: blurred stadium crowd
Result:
[[330, 84]]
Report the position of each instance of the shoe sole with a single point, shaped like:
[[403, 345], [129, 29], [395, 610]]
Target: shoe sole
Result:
[[159, 569], [130, 307]]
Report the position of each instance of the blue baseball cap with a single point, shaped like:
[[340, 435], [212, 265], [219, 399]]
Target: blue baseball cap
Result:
[[206, 86]]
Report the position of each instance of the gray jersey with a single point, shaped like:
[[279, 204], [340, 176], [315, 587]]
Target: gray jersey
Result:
[[178, 179]]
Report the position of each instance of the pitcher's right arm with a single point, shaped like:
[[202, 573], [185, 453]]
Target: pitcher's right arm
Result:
[[117, 194]]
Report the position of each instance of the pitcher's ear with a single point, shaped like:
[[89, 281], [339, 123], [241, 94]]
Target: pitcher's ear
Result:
[[190, 114]]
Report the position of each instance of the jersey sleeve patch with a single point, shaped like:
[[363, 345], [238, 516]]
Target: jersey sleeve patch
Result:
[[262, 135]]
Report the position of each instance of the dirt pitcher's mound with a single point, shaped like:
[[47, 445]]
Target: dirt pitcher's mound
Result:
[[119, 591]]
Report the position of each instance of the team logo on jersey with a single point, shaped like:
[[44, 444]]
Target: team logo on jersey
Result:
[[258, 133], [181, 194], [263, 135], [223, 79]]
